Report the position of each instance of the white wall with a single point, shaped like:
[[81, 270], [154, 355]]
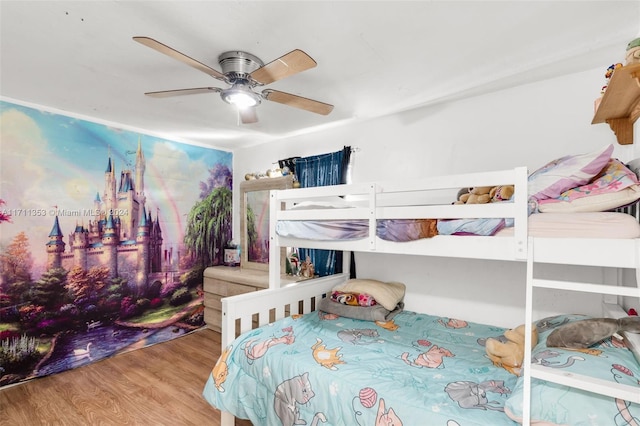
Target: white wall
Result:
[[527, 125]]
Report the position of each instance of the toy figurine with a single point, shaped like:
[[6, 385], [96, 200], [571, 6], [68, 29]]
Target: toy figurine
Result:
[[307, 269]]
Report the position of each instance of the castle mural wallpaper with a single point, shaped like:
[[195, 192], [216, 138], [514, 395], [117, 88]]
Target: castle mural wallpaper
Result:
[[104, 235]]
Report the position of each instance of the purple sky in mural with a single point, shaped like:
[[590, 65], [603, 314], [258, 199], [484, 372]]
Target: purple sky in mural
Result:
[[50, 161]]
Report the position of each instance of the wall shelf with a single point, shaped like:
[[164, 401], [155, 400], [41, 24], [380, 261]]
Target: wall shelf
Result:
[[620, 105]]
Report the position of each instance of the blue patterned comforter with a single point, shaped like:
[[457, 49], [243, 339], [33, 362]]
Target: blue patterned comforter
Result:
[[324, 369]]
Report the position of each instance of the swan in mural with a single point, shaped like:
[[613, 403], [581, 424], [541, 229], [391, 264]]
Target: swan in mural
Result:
[[93, 324], [82, 353]]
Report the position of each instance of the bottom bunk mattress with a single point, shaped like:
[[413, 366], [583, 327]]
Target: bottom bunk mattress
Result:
[[321, 368]]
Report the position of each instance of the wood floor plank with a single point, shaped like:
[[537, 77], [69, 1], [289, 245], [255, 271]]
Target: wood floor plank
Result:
[[158, 385]]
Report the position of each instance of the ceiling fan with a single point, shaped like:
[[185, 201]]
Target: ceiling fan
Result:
[[243, 72]]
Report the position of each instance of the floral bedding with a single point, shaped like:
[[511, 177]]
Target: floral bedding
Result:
[[321, 368]]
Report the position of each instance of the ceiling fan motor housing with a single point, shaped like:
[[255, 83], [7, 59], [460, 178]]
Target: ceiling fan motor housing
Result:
[[237, 65]]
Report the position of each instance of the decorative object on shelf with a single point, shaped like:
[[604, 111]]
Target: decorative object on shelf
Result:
[[274, 173], [633, 52], [610, 69], [607, 75], [232, 255], [620, 105], [270, 173], [293, 263], [289, 164]]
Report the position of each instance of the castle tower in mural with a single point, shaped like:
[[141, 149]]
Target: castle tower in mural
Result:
[[120, 234]]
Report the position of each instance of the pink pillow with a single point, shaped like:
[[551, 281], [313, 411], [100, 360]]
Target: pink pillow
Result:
[[567, 172], [613, 178]]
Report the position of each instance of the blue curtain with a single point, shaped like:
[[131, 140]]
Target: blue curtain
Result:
[[323, 170]]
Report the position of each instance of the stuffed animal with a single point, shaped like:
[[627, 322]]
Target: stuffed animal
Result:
[[584, 333], [307, 269], [475, 195], [510, 354], [633, 52], [501, 193], [484, 194]]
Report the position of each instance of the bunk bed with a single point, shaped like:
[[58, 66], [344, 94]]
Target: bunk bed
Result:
[[484, 394]]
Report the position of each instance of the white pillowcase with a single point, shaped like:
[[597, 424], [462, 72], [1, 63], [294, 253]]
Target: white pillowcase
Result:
[[387, 294], [594, 203], [326, 203]]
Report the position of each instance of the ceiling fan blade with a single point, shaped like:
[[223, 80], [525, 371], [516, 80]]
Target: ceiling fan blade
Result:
[[163, 48], [180, 92], [292, 63], [248, 115], [297, 101]]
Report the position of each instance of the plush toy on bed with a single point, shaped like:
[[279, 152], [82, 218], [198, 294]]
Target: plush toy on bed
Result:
[[510, 354], [584, 333], [501, 193], [475, 195], [484, 194]]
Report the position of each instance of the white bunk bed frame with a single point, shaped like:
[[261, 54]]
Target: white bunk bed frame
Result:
[[411, 200]]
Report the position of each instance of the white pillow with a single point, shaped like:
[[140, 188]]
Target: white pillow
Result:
[[594, 203], [386, 294], [326, 203]]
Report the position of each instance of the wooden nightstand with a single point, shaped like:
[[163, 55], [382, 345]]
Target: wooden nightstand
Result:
[[224, 281]]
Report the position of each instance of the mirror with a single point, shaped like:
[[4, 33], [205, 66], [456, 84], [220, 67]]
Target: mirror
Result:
[[254, 220]]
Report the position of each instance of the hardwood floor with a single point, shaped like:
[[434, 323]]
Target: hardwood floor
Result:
[[157, 385]]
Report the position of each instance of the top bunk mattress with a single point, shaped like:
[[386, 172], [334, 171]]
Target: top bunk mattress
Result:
[[548, 225]]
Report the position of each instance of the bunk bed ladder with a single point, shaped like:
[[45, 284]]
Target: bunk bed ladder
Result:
[[590, 384]]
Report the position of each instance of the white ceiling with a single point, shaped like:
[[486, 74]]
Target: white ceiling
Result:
[[374, 57]]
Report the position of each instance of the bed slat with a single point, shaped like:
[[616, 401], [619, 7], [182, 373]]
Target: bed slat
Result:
[[590, 384]]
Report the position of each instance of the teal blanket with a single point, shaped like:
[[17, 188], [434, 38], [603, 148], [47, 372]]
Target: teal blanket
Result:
[[324, 369]]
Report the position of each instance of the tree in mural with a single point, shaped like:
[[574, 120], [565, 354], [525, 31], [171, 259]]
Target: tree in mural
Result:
[[47, 295], [209, 226], [87, 288], [17, 260], [15, 269], [49, 291]]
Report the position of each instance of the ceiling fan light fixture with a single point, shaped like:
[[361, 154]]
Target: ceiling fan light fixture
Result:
[[241, 96]]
